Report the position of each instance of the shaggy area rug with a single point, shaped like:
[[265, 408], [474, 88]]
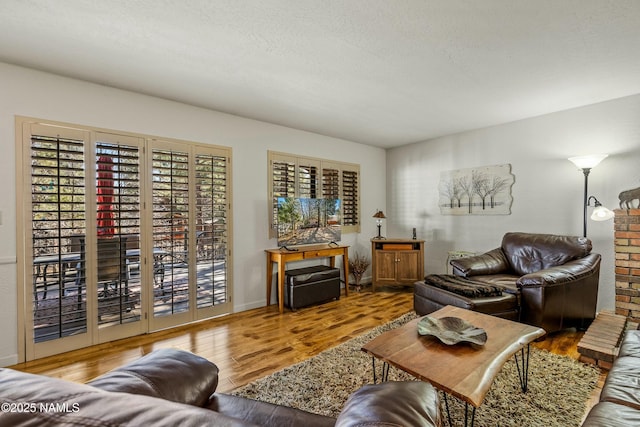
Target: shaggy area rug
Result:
[[558, 386]]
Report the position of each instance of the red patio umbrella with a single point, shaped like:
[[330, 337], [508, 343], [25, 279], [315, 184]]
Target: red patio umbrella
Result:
[[105, 216]]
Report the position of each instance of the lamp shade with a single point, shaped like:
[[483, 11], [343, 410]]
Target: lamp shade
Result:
[[588, 162], [600, 213], [379, 215]]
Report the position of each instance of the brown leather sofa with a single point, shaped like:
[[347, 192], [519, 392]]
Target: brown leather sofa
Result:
[[545, 280], [176, 388], [619, 404]]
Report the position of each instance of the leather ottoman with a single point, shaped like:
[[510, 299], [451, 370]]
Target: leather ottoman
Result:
[[311, 285], [428, 298]]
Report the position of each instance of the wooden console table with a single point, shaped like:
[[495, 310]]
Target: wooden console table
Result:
[[282, 256]]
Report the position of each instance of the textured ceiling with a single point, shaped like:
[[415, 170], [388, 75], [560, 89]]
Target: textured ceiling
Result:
[[379, 72]]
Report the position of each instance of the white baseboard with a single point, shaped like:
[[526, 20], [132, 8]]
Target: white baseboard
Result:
[[250, 306], [8, 360]]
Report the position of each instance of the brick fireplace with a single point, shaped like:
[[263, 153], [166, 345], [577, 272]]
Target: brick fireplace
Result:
[[627, 243], [599, 345]]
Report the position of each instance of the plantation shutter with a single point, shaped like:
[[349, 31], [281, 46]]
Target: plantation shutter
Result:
[[118, 227], [212, 202], [308, 180], [284, 179], [123, 162], [350, 198], [170, 193], [282, 184], [57, 213], [330, 183]]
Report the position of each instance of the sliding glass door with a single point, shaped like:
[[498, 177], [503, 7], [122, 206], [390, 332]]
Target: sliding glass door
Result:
[[115, 241], [190, 220], [121, 235], [56, 308]]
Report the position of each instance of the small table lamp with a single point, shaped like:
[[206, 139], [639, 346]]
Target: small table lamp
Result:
[[379, 216]]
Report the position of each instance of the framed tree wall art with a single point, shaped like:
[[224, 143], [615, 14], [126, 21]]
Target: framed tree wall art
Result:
[[476, 191]]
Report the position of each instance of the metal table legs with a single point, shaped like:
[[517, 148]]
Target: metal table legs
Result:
[[522, 366]]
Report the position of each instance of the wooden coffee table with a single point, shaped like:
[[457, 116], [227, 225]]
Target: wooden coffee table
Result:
[[462, 370]]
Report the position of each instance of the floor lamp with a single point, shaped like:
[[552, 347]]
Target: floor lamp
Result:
[[586, 163]]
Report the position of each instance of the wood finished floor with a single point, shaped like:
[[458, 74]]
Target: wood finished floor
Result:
[[252, 344]]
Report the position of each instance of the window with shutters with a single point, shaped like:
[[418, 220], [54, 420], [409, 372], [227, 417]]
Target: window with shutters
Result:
[[296, 176], [122, 234]]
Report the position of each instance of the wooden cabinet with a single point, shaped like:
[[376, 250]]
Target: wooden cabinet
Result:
[[396, 262]]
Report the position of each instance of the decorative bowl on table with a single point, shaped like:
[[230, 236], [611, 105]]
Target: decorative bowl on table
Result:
[[452, 330]]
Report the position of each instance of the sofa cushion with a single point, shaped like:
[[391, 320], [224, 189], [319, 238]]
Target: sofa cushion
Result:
[[393, 403], [264, 413], [606, 414], [630, 345], [492, 262], [56, 402], [528, 253], [167, 373], [622, 385], [463, 286], [506, 281]]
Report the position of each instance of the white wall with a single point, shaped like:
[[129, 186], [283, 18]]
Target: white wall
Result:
[[548, 189], [30, 93]]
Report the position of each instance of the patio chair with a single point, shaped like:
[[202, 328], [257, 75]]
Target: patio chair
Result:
[[112, 267]]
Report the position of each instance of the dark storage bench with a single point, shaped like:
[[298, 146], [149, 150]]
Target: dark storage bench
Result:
[[311, 285]]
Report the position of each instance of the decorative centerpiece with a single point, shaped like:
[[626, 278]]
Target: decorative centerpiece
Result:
[[452, 330]]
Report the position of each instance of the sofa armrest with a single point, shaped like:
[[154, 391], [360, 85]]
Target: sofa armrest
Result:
[[83, 405], [393, 403], [176, 375], [572, 271], [492, 262]]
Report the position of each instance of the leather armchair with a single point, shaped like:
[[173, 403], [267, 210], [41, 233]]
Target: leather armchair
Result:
[[556, 276]]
